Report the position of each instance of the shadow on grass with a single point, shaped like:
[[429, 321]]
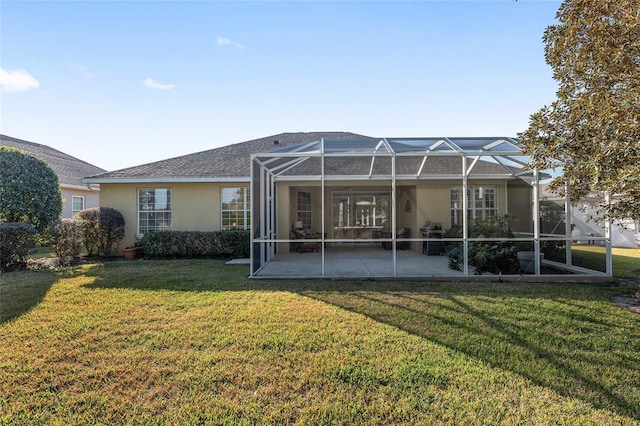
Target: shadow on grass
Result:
[[566, 337], [563, 336], [21, 291]]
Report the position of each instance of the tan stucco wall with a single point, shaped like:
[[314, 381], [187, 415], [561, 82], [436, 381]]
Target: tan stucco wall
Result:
[[91, 199], [195, 206]]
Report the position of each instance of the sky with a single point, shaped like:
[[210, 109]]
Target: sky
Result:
[[124, 83]]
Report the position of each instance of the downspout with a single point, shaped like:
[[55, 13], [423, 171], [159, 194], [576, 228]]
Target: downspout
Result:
[[90, 188]]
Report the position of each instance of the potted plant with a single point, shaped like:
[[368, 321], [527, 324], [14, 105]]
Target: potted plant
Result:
[[527, 261], [133, 251]]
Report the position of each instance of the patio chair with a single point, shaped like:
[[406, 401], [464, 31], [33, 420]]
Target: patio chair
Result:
[[302, 247], [400, 233]]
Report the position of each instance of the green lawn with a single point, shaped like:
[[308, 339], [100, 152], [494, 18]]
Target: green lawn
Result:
[[195, 342], [626, 261]]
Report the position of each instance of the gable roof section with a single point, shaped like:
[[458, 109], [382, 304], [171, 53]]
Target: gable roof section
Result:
[[70, 170], [227, 163]]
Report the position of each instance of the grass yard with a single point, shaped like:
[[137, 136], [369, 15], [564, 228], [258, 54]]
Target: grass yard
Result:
[[626, 261], [195, 342]]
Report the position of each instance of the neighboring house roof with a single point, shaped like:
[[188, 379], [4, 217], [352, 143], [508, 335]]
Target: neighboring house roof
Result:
[[70, 170], [228, 163]]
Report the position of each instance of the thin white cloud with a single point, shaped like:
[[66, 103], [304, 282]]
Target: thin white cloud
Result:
[[17, 81], [152, 84], [223, 41]]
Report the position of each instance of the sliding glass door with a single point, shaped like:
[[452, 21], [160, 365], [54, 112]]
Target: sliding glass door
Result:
[[360, 215]]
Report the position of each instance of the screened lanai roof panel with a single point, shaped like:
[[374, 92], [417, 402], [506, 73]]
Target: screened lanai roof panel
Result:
[[502, 146], [409, 165], [419, 157], [357, 166], [473, 144], [420, 145], [308, 166], [355, 146], [488, 166], [442, 165], [306, 147]]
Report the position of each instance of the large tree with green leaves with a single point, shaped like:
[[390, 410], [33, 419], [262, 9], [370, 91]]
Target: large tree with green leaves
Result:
[[592, 129], [29, 191]]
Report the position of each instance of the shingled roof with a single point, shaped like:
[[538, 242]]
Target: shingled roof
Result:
[[70, 170], [231, 162]]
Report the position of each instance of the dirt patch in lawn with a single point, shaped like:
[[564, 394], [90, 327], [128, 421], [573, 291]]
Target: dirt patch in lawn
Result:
[[631, 300]]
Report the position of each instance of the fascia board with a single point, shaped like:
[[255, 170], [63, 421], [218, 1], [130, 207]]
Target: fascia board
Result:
[[77, 187], [243, 179]]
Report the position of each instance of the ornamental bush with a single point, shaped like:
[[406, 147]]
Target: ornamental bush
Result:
[[193, 244], [17, 241], [485, 256], [102, 230], [29, 191], [67, 240]]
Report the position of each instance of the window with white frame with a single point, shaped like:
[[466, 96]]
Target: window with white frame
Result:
[[154, 209], [482, 202], [77, 204], [305, 212], [236, 208]]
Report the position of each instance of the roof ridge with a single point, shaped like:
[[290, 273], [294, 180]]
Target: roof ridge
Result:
[[47, 147], [235, 145]]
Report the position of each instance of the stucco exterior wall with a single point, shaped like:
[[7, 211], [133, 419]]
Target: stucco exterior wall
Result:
[[91, 199], [195, 206]]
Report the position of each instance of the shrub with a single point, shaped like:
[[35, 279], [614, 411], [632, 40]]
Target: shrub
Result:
[[195, 244], [29, 191], [17, 241], [67, 240], [489, 256], [236, 243], [102, 229]]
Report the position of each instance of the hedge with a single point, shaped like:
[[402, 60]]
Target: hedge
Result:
[[193, 244]]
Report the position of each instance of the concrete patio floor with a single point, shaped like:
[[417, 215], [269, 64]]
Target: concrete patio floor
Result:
[[358, 261], [370, 261]]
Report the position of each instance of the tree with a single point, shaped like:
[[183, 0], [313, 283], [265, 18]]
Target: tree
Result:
[[592, 129], [29, 191]]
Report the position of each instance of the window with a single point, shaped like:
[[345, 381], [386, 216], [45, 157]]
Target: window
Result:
[[482, 204], [77, 204], [154, 209], [236, 208], [304, 209]]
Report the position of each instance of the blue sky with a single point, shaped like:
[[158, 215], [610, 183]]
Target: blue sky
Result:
[[123, 83]]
